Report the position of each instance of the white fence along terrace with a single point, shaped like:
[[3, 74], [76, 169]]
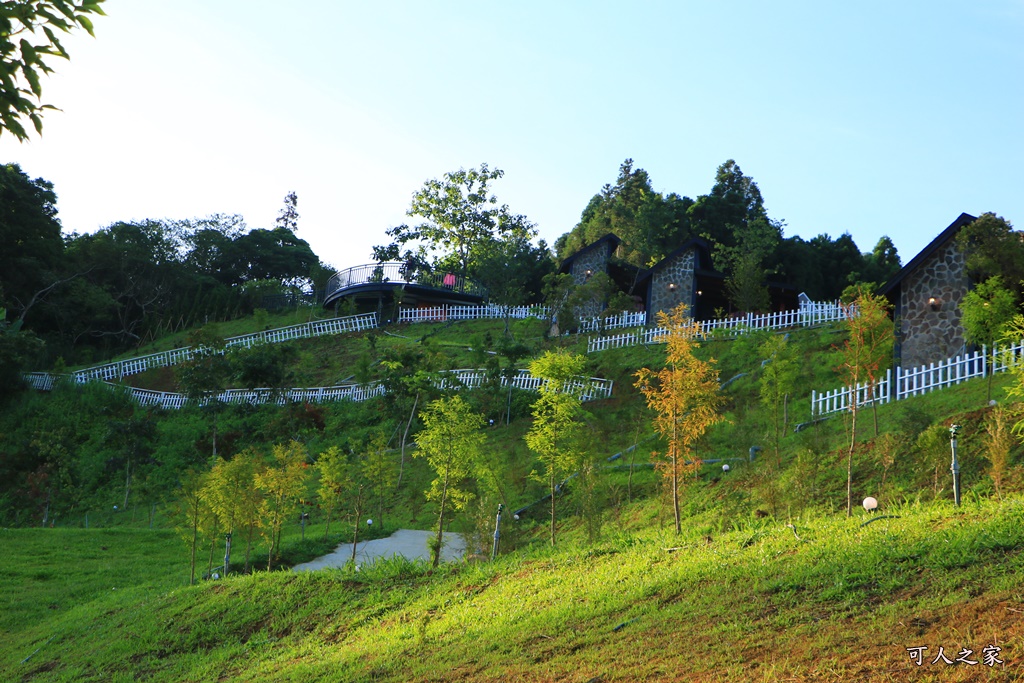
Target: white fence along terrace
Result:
[[808, 315], [903, 383], [316, 328], [589, 389]]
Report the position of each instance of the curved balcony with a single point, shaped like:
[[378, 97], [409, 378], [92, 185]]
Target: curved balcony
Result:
[[372, 279]]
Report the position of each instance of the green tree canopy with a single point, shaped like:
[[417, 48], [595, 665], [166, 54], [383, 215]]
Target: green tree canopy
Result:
[[28, 41], [460, 216]]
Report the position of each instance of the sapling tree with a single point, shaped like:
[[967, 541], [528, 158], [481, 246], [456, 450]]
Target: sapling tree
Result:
[[861, 358], [205, 374], [282, 483], [986, 311], [233, 496], [778, 380], [685, 397], [335, 475], [379, 472], [556, 435], [191, 512], [451, 440]]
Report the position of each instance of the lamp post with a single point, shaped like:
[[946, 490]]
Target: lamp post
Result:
[[955, 466]]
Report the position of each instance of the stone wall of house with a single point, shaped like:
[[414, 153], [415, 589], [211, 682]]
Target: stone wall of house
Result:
[[595, 260], [678, 272], [929, 335]]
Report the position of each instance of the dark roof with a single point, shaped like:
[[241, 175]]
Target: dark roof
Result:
[[943, 237], [702, 263], [567, 263]]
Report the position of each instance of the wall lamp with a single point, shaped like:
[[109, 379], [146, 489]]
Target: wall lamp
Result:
[[588, 273], [672, 287], [933, 303]]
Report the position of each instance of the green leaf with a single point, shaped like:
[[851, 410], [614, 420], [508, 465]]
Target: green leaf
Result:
[[28, 52], [33, 79], [86, 24]]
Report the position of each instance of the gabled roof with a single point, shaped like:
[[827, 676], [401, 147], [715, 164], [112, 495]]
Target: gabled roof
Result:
[[702, 261], [962, 220], [610, 237]]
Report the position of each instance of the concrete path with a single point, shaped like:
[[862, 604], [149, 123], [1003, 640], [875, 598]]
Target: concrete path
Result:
[[406, 542]]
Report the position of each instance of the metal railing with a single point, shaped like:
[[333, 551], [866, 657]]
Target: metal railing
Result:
[[162, 359], [399, 273]]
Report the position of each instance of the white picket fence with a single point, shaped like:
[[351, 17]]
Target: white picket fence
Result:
[[589, 389], [486, 311], [904, 383], [809, 314], [316, 328], [612, 322]]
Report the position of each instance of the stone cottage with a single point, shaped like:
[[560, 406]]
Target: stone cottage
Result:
[[685, 276], [926, 296], [591, 259]]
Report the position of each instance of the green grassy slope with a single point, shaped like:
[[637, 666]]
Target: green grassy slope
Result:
[[769, 580], [834, 601]]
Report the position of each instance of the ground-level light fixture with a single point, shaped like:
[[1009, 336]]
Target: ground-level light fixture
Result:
[[870, 504], [369, 522], [725, 467]]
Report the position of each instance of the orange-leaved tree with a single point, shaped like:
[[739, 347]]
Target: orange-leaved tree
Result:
[[685, 397]]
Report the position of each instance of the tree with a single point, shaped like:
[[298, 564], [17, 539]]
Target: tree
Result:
[[27, 41], [451, 441], [264, 365], [335, 480], [558, 421], [649, 224], [993, 247], [778, 380], [460, 215], [734, 201], [282, 483], [31, 247], [986, 311], [231, 492], [746, 287], [288, 216], [205, 374], [861, 359], [378, 470], [882, 263], [998, 443], [191, 512], [685, 397]]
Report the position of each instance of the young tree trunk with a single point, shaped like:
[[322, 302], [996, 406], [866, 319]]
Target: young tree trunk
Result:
[[127, 483], [551, 482], [675, 480], [248, 547], [436, 550], [327, 530], [405, 436], [195, 542], [355, 526], [849, 458]]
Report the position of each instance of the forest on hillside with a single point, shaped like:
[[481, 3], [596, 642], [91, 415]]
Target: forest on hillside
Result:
[[85, 297]]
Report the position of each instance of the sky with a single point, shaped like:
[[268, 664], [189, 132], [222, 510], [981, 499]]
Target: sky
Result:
[[873, 118]]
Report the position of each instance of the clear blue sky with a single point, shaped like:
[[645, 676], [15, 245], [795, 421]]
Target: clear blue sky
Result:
[[870, 118]]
